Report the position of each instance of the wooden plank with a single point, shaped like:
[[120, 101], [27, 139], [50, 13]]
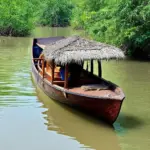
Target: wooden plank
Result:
[[66, 77], [58, 82]]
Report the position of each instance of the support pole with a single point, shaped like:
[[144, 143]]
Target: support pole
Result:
[[92, 66], [53, 67], [87, 66], [99, 68], [66, 77], [43, 68], [47, 66]]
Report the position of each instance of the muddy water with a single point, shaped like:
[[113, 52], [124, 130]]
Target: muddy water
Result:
[[30, 120]]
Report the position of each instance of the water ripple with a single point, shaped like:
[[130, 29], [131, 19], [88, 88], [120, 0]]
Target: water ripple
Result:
[[16, 88]]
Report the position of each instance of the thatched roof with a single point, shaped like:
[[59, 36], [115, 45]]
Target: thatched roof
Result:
[[77, 49]]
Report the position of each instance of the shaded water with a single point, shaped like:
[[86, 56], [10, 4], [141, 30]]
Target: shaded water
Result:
[[30, 120]]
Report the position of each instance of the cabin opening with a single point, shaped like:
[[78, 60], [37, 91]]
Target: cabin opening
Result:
[[70, 75]]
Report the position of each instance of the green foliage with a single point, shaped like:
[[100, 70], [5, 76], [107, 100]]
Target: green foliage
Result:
[[134, 19], [17, 18], [56, 13], [93, 5], [122, 23]]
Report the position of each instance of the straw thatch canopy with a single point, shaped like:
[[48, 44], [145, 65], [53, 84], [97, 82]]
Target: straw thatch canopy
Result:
[[77, 49]]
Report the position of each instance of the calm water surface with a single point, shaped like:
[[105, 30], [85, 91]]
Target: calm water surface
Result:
[[29, 120]]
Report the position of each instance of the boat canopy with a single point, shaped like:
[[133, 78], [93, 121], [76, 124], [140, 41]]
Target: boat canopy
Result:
[[77, 49]]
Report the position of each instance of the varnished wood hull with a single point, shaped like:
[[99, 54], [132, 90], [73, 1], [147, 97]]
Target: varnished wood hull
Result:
[[106, 109]]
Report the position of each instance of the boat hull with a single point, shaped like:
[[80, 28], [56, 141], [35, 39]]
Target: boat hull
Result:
[[106, 109]]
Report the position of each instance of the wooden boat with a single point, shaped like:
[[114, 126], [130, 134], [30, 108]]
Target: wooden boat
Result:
[[58, 68]]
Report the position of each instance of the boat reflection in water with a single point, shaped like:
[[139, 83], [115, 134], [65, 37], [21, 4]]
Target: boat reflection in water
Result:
[[77, 125]]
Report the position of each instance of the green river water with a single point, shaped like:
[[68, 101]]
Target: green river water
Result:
[[29, 120]]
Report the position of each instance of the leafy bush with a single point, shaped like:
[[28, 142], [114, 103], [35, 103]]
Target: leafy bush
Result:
[[17, 18], [56, 13], [122, 23], [134, 19]]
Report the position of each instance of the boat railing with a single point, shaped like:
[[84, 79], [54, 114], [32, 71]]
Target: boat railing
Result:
[[42, 70]]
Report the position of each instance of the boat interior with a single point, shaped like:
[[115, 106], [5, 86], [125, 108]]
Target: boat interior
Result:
[[81, 77]]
